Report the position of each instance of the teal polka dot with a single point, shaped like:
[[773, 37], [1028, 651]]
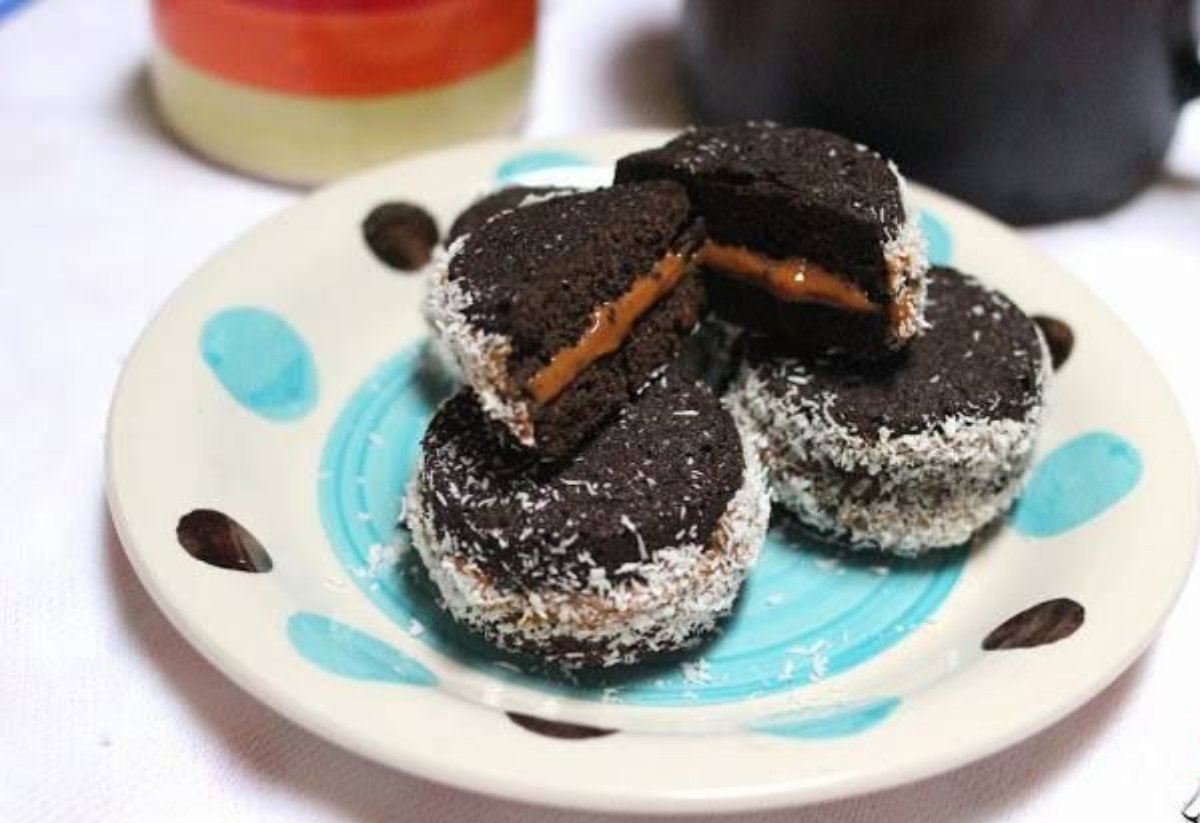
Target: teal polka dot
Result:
[[823, 724], [1078, 481], [532, 161], [339, 649], [941, 245], [261, 361]]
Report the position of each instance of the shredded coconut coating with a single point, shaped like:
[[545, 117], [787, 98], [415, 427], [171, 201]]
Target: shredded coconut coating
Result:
[[482, 356], [902, 493], [907, 259], [668, 602]]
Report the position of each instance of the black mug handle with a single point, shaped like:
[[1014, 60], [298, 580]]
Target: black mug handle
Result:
[[1186, 57], [1187, 75]]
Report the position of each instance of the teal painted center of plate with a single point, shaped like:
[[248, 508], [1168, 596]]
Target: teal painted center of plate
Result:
[[807, 613], [346, 651], [820, 724], [539, 160], [940, 244]]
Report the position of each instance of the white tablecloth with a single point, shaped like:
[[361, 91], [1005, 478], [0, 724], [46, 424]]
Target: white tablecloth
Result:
[[106, 714]]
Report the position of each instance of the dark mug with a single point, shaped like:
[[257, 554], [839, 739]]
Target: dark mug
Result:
[[1035, 110]]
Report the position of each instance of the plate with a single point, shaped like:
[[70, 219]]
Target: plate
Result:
[[268, 418]]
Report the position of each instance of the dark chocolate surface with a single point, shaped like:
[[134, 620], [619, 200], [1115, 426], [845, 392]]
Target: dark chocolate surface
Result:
[[537, 274], [785, 192], [713, 354], [488, 206], [981, 358], [660, 476]]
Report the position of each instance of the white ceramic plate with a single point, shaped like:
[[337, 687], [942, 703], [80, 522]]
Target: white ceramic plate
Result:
[[283, 385]]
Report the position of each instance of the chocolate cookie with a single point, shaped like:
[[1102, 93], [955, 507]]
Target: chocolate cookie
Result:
[[438, 354], [560, 311], [501, 200], [810, 238], [911, 454], [635, 545]]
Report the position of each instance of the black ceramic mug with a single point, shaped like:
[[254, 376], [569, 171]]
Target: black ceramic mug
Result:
[[1035, 110]]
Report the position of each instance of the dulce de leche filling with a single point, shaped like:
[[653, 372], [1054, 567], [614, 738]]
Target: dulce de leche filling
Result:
[[611, 324], [794, 279]]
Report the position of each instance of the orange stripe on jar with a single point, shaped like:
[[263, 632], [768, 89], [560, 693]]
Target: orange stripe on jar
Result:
[[345, 48]]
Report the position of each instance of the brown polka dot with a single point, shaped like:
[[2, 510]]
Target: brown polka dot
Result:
[[1038, 625], [1059, 338], [402, 235], [218, 540], [553, 728]]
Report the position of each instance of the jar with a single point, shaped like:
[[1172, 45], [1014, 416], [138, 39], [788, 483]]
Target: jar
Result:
[[302, 91]]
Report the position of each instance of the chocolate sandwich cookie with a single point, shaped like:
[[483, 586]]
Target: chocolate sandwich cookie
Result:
[[635, 545], [560, 311], [916, 453], [810, 237]]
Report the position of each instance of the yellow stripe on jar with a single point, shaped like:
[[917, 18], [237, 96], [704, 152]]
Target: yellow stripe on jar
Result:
[[307, 139]]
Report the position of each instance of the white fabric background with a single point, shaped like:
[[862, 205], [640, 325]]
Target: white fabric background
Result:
[[105, 713]]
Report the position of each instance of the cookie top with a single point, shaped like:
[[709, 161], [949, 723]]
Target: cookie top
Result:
[[536, 275], [785, 192], [488, 206], [823, 168], [982, 359], [660, 476]]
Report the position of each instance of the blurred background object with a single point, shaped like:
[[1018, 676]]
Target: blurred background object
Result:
[[305, 90], [1035, 110]]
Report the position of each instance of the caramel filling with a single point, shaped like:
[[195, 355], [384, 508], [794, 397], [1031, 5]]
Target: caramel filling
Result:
[[611, 324], [794, 279]]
